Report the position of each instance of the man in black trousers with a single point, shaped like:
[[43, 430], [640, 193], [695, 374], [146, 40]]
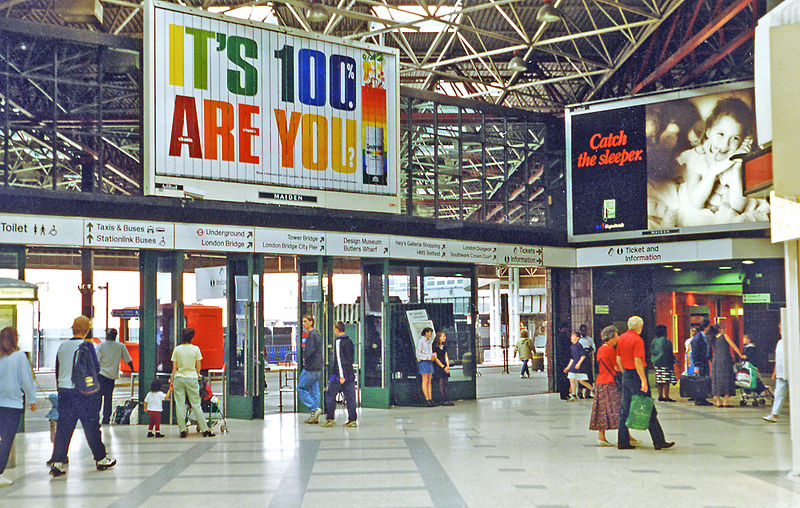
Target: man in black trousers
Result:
[[343, 378], [631, 361]]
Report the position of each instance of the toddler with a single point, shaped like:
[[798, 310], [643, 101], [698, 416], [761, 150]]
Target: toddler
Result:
[[152, 404], [712, 180]]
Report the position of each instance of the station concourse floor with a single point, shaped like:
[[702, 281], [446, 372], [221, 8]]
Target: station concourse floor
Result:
[[533, 450]]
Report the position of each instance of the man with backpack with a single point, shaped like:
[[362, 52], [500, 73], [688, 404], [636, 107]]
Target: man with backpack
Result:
[[77, 371]]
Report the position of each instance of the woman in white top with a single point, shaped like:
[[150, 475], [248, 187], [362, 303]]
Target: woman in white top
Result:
[[16, 379], [425, 358]]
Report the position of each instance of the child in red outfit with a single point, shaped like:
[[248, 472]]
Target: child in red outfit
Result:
[[152, 404]]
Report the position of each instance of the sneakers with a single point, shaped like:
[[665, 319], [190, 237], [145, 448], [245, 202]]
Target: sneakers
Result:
[[5, 482], [572, 398], [208, 433], [105, 463], [159, 434], [149, 434], [351, 423], [328, 423], [57, 469], [770, 418], [314, 418]]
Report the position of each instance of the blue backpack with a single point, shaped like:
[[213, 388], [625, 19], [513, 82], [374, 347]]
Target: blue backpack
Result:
[[84, 370]]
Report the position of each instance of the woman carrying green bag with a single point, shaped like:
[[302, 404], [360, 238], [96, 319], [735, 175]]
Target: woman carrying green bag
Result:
[[630, 357]]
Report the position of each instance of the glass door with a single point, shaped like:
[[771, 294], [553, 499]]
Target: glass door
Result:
[[375, 352], [245, 338]]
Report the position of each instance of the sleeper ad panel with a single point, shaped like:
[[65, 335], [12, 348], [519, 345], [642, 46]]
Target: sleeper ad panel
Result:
[[664, 166], [250, 104]]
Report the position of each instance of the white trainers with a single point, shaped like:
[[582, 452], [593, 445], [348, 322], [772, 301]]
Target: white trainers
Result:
[[5, 482], [106, 462], [57, 469], [314, 418], [770, 418]]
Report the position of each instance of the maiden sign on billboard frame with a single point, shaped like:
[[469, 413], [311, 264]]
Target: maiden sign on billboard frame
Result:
[[660, 165], [244, 111]]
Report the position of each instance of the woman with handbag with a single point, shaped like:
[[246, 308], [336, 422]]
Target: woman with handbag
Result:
[[605, 408]]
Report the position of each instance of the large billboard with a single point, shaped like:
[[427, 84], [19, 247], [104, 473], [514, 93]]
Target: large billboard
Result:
[[662, 165], [245, 111]]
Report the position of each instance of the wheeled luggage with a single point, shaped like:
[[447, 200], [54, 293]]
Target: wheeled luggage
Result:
[[695, 387]]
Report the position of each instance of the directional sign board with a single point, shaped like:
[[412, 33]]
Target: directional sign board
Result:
[[214, 238], [128, 234], [425, 249], [520, 255], [284, 241], [358, 245], [471, 252], [41, 230]]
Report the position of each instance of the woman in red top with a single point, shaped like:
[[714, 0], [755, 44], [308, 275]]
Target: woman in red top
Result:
[[605, 409]]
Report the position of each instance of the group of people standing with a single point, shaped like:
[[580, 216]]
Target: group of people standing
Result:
[[710, 355], [434, 364]]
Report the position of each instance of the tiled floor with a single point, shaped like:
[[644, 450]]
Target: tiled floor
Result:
[[516, 451]]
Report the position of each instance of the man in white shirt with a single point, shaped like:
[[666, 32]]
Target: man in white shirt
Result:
[[109, 354], [587, 343], [780, 375]]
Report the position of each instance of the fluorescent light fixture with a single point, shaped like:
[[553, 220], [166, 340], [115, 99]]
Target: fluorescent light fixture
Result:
[[748, 262], [725, 267], [676, 269], [667, 266]]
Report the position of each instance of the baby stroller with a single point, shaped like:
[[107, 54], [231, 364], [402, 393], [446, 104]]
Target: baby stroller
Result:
[[209, 403], [753, 389]]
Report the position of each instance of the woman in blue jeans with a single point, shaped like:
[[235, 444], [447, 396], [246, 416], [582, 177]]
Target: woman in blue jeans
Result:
[[16, 380]]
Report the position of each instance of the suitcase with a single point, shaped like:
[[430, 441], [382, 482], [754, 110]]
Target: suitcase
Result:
[[695, 387]]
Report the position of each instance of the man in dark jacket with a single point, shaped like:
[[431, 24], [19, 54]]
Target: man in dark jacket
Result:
[[343, 378], [308, 382], [701, 355]]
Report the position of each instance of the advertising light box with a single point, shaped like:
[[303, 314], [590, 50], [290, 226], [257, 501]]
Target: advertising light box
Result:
[[245, 111], [666, 164]]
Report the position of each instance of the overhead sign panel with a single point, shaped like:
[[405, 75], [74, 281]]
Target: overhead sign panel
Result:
[[214, 238], [128, 234], [423, 249], [358, 245], [283, 241], [41, 230], [277, 115]]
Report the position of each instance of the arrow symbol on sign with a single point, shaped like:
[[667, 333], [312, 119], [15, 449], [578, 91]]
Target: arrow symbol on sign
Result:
[[89, 226], [249, 234], [89, 238], [611, 251], [385, 250], [249, 244]]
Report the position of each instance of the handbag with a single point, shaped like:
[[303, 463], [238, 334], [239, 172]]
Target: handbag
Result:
[[617, 376], [639, 415]]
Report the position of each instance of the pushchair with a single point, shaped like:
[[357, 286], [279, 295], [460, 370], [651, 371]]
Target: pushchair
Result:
[[209, 403], [753, 389]]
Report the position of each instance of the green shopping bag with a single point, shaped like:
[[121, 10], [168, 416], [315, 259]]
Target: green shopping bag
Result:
[[639, 415]]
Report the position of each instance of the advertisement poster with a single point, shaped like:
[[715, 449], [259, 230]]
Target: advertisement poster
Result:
[[252, 104], [664, 165]]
